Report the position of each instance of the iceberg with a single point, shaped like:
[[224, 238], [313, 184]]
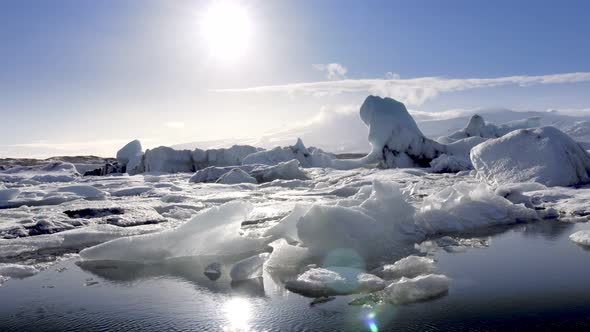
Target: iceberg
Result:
[[214, 232], [544, 155], [130, 158]]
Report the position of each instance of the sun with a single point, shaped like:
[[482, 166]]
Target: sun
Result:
[[226, 28]]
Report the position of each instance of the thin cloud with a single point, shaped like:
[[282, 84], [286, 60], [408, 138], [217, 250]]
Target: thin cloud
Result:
[[414, 91], [334, 71]]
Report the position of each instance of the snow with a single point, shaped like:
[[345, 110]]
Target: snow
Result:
[[317, 282], [581, 237], [87, 192], [248, 268], [131, 191], [409, 267], [47, 173], [421, 288], [544, 155], [236, 176], [131, 157], [450, 164]]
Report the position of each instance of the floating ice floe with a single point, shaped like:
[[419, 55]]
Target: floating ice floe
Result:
[[544, 155], [581, 237], [409, 267], [336, 280], [420, 288]]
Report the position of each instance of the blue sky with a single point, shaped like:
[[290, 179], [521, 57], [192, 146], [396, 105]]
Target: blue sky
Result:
[[86, 76]]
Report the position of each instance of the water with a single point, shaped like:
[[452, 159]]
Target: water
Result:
[[532, 277]]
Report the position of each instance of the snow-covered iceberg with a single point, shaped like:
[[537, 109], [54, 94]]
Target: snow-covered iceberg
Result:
[[544, 155]]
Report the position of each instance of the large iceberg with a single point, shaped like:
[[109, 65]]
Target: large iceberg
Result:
[[544, 155], [395, 138]]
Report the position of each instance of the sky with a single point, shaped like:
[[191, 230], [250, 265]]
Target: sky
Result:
[[85, 77]]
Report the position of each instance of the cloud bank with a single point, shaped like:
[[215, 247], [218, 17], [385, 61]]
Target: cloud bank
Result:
[[414, 91]]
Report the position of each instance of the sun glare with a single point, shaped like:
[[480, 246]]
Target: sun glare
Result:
[[226, 28]]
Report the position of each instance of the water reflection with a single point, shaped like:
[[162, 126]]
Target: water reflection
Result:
[[190, 269]]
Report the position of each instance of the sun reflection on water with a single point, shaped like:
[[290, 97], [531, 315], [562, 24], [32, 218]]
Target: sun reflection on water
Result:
[[238, 313]]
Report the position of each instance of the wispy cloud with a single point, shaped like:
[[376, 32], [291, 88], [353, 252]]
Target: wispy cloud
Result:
[[414, 91], [334, 71]]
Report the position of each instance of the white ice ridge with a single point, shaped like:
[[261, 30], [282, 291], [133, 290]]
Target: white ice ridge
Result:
[[335, 280], [544, 155]]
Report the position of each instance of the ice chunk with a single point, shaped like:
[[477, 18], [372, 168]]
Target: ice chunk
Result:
[[8, 194], [131, 157], [544, 155], [417, 289], [409, 267], [249, 268], [17, 270], [580, 237], [318, 282], [324, 228], [167, 160], [465, 206], [214, 232], [236, 176], [213, 271], [287, 227], [286, 259], [288, 170]]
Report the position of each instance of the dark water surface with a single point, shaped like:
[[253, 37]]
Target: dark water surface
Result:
[[532, 277]]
